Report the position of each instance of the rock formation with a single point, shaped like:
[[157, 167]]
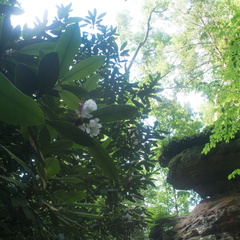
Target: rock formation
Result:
[[218, 214]]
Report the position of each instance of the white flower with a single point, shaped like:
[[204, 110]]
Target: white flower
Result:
[[88, 107], [92, 128]]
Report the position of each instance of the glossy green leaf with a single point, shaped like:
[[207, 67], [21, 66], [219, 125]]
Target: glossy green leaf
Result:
[[16, 32], [47, 72], [28, 60], [33, 49], [84, 68], [25, 79], [73, 133], [70, 196], [76, 90], [104, 161], [5, 31], [53, 167], [67, 47], [17, 108], [113, 113], [91, 83], [70, 99]]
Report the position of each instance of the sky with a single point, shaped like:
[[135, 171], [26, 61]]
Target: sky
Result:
[[80, 8]]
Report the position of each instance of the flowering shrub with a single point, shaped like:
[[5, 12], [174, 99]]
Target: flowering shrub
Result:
[[55, 178]]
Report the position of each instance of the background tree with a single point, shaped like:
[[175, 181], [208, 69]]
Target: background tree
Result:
[[189, 45], [195, 48]]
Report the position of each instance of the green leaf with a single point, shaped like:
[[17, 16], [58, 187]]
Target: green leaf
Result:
[[113, 113], [67, 47], [47, 73], [73, 133], [16, 182], [28, 60], [33, 49], [104, 161], [29, 214], [16, 32], [91, 83], [72, 20], [17, 108], [123, 46], [68, 179], [69, 99], [88, 205], [57, 147], [234, 174], [102, 15], [83, 214], [53, 166], [6, 9], [5, 31], [76, 90], [25, 79], [84, 68], [70, 196], [23, 164]]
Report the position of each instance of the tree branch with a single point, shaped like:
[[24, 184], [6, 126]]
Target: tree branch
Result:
[[127, 68]]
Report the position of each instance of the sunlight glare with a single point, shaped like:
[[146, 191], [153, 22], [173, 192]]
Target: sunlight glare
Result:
[[80, 8]]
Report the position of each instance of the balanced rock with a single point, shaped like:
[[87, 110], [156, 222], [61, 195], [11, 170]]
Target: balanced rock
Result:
[[217, 216], [206, 174]]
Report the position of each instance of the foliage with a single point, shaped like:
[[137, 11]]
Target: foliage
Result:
[[57, 182], [195, 49], [234, 174], [202, 56]]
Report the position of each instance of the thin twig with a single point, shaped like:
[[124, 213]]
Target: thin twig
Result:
[[127, 69]]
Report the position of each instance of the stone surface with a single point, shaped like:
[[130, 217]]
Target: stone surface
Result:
[[177, 146], [206, 174], [212, 217], [217, 218]]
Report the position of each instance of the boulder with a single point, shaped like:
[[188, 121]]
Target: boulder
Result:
[[206, 174], [212, 219], [217, 216]]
